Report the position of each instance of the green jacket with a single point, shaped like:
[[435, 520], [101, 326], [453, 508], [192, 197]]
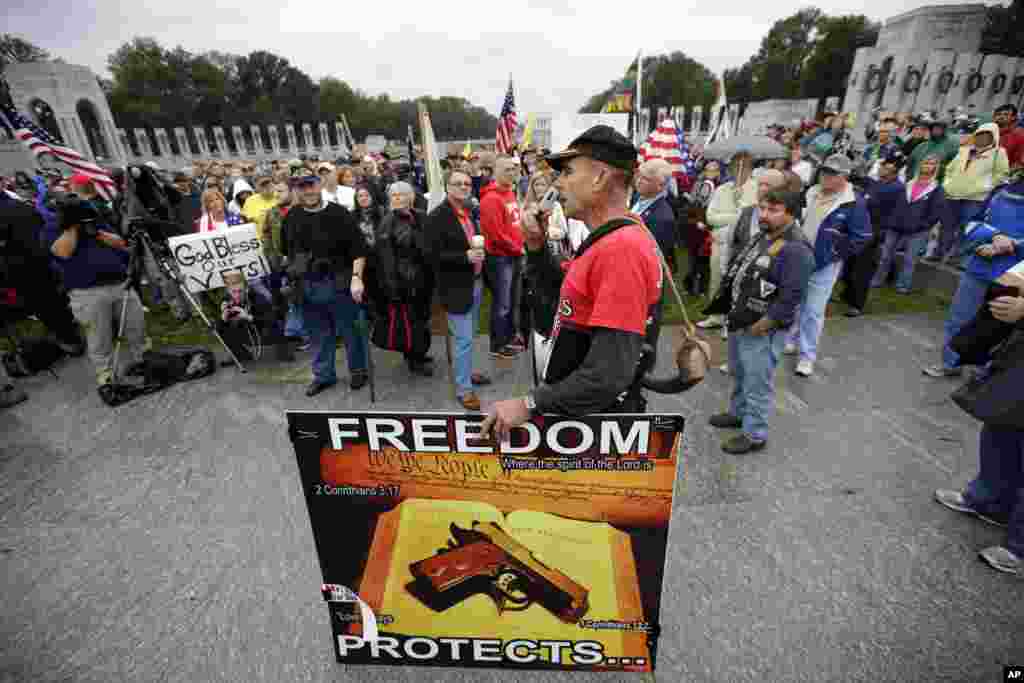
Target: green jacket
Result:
[[270, 236], [946, 148]]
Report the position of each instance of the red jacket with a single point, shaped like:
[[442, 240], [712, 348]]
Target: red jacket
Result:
[[1012, 140], [499, 221]]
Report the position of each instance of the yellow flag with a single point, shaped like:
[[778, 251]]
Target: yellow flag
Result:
[[528, 133]]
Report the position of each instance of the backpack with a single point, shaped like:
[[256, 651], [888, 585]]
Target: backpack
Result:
[[161, 369]]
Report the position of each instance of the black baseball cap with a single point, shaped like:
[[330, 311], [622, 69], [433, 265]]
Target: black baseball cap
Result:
[[602, 143]]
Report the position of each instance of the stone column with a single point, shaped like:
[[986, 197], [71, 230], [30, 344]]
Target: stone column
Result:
[[339, 128], [293, 141], [240, 147], [985, 100], [144, 143], [163, 143], [122, 136], [183, 146], [275, 141], [307, 137], [697, 119], [257, 140], [222, 142], [117, 149], [325, 138], [201, 142]]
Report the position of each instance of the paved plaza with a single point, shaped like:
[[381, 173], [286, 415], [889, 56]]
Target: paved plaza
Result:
[[168, 540]]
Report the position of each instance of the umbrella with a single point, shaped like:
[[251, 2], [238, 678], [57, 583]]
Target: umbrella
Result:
[[758, 146]]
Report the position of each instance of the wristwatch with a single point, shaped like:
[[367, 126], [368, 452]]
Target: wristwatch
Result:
[[531, 405]]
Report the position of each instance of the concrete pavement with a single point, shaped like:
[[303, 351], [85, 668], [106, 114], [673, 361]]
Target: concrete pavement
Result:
[[167, 539]]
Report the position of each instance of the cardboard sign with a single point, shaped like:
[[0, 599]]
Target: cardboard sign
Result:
[[546, 551], [205, 257]]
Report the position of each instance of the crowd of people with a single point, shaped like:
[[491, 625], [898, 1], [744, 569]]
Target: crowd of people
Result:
[[354, 253]]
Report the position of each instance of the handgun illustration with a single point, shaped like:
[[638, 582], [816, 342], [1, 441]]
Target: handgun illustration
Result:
[[486, 559]]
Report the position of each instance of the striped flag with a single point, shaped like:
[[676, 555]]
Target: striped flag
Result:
[[668, 143], [39, 142], [504, 139]]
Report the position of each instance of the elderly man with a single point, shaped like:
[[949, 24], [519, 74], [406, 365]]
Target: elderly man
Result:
[[836, 222], [653, 207], [608, 297], [764, 283], [327, 254], [503, 241]]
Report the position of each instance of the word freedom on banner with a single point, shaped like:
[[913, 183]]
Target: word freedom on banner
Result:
[[205, 258]]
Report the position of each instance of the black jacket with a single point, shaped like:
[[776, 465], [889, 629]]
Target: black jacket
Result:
[[403, 271], [660, 219], [447, 246], [322, 241], [773, 284]]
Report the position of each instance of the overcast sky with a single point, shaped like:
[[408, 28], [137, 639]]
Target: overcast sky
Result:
[[559, 52]]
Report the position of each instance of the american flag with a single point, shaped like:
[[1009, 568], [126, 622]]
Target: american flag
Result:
[[504, 139], [39, 142]]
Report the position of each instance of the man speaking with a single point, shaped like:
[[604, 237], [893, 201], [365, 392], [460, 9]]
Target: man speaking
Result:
[[607, 294]]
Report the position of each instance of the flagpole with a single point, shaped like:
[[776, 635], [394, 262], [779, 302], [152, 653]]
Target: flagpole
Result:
[[637, 106]]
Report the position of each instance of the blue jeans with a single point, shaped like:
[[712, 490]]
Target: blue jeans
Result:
[[969, 297], [752, 361], [501, 271], [328, 311], [998, 490], [961, 212], [911, 246], [462, 327], [810, 316], [295, 326]]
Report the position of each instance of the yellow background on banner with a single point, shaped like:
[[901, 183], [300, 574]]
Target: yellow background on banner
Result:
[[581, 550]]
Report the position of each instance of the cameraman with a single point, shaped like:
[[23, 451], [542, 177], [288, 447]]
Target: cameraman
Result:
[[94, 261]]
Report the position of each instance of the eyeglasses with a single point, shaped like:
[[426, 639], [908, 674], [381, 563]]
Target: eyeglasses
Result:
[[460, 184]]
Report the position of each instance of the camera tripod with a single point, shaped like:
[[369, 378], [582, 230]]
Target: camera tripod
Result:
[[140, 245]]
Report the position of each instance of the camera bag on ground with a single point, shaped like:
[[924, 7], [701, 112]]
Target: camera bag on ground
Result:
[[159, 370], [32, 356]]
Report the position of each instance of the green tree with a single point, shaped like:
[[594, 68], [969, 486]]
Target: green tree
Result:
[[668, 80], [831, 59], [14, 50], [156, 87], [1003, 30]]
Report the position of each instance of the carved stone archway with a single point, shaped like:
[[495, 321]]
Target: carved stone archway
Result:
[[90, 120], [42, 113]]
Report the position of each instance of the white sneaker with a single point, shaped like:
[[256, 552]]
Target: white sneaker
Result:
[[790, 349], [711, 322], [805, 368], [724, 367]]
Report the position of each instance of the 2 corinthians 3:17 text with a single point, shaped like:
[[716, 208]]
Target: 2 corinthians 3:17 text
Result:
[[392, 490]]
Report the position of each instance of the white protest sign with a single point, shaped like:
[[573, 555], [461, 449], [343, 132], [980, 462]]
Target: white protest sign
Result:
[[567, 127], [205, 257]]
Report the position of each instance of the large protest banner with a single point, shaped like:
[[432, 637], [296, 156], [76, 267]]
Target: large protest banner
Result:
[[205, 257], [545, 551]]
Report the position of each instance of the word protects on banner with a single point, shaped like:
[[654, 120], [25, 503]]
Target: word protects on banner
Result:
[[205, 258]]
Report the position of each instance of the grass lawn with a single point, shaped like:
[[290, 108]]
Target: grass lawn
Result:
[[164, 330]]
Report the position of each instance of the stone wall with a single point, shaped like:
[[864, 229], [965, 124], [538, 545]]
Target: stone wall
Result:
[[759, 115], [928, 60]]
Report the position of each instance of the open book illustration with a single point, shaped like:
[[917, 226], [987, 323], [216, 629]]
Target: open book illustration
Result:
[[537, 576]]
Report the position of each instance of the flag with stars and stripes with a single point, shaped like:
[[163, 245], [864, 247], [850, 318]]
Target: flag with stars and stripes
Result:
[[504, 139], [40, 143]]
